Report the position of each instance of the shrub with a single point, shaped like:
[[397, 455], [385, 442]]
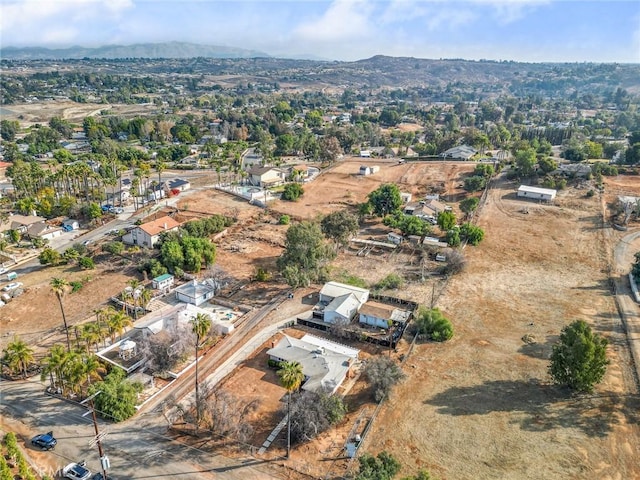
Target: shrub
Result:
[[262, 275], [433, 324], [284, 220], [391, 281], [292, 192], [86, 263], [115, 248]]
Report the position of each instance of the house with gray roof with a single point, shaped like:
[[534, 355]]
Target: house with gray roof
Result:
[[461, 152], [325, 364]]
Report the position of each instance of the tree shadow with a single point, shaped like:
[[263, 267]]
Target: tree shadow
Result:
[[541, 407], [537, 349], [603, 284]]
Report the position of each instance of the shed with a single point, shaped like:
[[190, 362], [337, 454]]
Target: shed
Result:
[[394, 238], [536, 193]]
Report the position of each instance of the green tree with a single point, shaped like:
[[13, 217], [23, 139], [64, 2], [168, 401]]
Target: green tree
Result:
[[14, 236], [118, 396], [18, 355], [433, 324], [471, 233], [49, 256], [382, 467], [339, 226], [87, 263], [291, 378], [446, 220], [8, 129], [525, 162], [59, 287], [200, 326], [385, 199], [547, 165], [469, 205], [579, 359], [305, 254], [475, 183], [292, 192]]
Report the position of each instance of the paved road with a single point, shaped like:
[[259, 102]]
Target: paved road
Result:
[[137, 449], [629, 309]]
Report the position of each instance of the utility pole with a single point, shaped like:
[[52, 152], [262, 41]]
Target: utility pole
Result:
[[104, 460]]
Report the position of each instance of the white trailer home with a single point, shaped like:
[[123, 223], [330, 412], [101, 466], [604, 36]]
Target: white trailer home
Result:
[[537, 193]]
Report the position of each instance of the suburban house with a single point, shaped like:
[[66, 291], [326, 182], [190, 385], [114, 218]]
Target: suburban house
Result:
[[461, 152], [581, 170], [382, 315], [536, 193], [179, 184], [325, 364], [266, 176], [43, 231], [299, 173], [22, 222], [163, 282], [148, 234], [426, 208], [196, 292], [339, 303]]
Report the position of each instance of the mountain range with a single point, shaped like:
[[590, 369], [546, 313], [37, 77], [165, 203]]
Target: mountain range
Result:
[[138, 50]]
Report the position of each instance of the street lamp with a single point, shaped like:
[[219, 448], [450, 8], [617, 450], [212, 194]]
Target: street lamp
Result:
[[104, 460]]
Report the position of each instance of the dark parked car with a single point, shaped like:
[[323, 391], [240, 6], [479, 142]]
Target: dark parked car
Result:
[[99, 476], [45, 441]]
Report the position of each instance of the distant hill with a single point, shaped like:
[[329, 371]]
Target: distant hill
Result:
[[139, 50]]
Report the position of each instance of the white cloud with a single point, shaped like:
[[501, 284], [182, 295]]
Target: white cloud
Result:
[[343, 20], [54, 21]]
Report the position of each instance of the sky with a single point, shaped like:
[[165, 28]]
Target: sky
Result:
[[519, 30]]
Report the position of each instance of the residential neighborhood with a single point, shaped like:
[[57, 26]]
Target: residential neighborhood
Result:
[[270, 268]]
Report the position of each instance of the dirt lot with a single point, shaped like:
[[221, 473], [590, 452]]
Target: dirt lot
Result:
[[31, 113]]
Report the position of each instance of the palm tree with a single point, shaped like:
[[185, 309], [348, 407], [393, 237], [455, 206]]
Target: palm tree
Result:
[[91, 334], [200, 326], [18, 355], [117, 322], [93, 368], [291, 377], [59, 287], [52, 364]]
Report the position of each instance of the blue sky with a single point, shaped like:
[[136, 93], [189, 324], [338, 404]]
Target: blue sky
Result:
[[521, 30]]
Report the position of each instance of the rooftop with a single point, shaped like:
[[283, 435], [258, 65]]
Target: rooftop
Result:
[[162, 224]]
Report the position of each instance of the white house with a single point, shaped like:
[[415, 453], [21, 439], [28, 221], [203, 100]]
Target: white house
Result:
[[148, 234], [536, 193], [266, 176], [325, 364], [163, 282], [382, 315], [196, 292], [461, 152], [368, 169], [340, 302]]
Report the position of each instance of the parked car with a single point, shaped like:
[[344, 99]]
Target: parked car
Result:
[[87, 242], [44, 441], [11, 286], [116, 210], [3, 270], [76, 471]]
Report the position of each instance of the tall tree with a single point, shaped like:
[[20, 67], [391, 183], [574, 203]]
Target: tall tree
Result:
[[291, 378], [339, 226], [385, 199], [59, 287], [200, 326], [579, 359]]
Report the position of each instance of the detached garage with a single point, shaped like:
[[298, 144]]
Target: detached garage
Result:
[[536, 193]]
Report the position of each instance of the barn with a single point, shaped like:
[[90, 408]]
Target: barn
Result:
[[537, 193]]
